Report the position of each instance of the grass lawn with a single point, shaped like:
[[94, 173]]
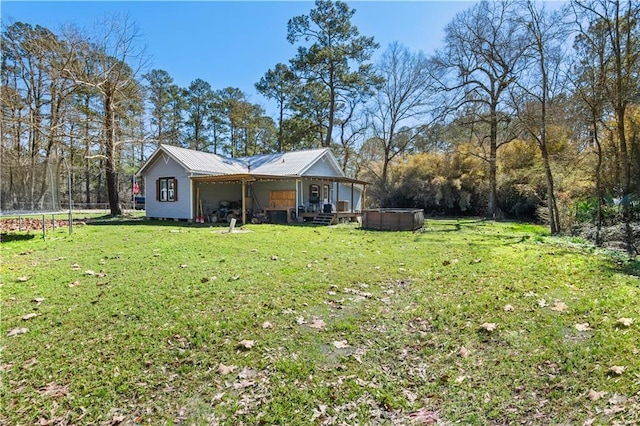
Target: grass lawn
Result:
[[469, 321]]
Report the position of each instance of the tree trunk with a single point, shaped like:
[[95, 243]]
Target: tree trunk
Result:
[[554, 227], [332, 111], [492, 205], [110, 148]]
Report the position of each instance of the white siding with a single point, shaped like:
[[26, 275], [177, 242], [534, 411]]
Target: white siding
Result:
[[322, 167], [164, 167], [343, 193]]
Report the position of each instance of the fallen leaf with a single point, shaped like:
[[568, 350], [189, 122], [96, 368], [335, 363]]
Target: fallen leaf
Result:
[[75, 267], [460, 379], [301, 320], [317, 324], [341, 344], [542, 303], [594, 395], [89, 272], [625, 322], [267, 324], [508, 308], [38, 300], [559, 307], [617, 399], [463, 352], [613, 410], [582, 327], [247, 373], [225, 369], [54, 390], [30, 316], [17, 331], [617, 369], [183, 266], [425, 416], [488, 326], [74, 284], [274, 257], [321, 411], [246, 344], [117, 419], [22, 279]]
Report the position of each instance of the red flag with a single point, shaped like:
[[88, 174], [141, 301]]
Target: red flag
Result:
[[136, 188]]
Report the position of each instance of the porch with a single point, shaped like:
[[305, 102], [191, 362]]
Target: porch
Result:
[[277, 199], [331, 218]]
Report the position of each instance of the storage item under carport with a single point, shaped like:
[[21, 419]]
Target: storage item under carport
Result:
[[392, 219]]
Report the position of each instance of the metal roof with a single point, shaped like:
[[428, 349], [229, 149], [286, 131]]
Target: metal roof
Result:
[[283, 164], [204, 162]]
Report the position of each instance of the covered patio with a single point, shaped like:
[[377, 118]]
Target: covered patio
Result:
[[277, 199]]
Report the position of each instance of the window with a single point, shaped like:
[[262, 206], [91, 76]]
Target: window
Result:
[[326, 196], [167, 189]]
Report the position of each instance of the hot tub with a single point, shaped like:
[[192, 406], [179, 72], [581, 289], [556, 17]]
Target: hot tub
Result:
[[391, 219]]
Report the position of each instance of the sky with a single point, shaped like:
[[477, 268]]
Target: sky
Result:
[[233, 43]]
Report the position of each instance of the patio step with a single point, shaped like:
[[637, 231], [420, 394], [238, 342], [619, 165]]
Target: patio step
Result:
[[323, 219]]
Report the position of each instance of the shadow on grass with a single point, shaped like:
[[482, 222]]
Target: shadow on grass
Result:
[[629, 267], [8, 238]]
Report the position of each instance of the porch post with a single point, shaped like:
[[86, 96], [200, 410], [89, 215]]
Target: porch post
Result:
[[364, 196], [337, 194], [244, 207], [297, 197], [353, 206]]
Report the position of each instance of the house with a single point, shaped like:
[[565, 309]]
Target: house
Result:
[[192, 185]]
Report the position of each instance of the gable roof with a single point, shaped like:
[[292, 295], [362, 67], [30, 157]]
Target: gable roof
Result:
[[196, 161], [290, 163], [282, 164]]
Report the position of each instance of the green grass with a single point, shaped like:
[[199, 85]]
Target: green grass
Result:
[[141, 338]]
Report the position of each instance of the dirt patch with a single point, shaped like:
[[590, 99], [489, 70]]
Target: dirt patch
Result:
[[30, 224], [621, 236]]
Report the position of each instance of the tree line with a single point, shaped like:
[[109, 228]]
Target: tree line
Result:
[[524, 112]]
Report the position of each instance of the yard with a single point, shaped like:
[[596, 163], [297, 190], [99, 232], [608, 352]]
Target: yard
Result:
[[150, 322]]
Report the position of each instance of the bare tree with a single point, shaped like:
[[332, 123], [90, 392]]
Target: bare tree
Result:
[[118, 58], [613, 27], [544, 81], [400, 103], [482, 58]]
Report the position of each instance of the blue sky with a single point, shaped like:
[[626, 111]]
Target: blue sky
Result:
[[235, 43]]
